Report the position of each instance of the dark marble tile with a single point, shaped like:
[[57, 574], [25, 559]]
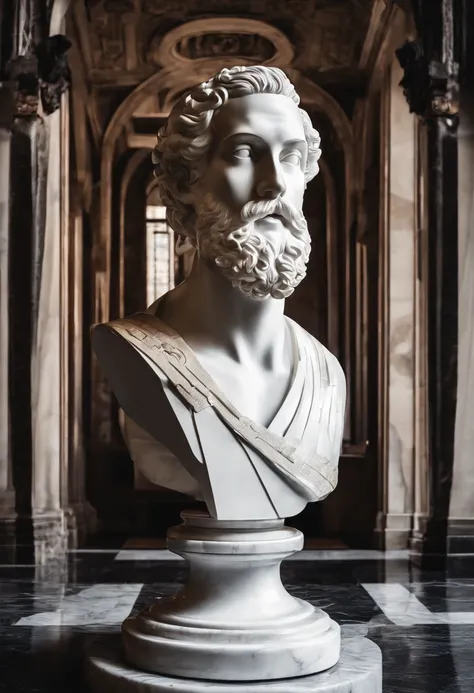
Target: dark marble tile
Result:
[[103, 540], [344, 603], [11, 554], [461, 544], [49, 658], [42, 660], [426, 659], [97, 567], [440, 596], [21, 599], [319, 572]]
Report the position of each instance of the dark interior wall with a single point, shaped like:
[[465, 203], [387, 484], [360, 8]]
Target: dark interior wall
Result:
[[308, 305], [20, 310], [135, 240], [7, 10], [126, 510], [111, 467]]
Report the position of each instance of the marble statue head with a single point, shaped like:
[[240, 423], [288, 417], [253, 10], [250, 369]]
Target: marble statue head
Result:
[[232, 163]]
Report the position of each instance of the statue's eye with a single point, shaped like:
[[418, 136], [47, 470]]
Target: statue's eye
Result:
[[242, 153], [294, 158]]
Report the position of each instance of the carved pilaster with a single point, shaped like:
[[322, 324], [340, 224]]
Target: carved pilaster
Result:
[[38, 76], [430, 84], [53, 69], [41, 73]]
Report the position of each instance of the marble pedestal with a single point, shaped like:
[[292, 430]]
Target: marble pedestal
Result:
[[233, 620], [232, 627], [359, 670]]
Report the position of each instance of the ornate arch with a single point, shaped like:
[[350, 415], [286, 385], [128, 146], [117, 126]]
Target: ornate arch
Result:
[[246, 40]]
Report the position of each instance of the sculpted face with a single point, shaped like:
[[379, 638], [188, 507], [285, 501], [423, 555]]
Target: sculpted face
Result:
[[249, 197]]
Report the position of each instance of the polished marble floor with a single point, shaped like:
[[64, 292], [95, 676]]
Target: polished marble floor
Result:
[[422, 620]]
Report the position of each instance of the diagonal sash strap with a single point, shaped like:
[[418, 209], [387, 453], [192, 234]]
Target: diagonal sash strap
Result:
[[313, 475]]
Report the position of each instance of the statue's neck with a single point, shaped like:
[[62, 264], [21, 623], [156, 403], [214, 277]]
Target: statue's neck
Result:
[[208, 312]]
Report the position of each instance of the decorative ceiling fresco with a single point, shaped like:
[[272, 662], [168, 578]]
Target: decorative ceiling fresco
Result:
[[126, 44], [125, 35]]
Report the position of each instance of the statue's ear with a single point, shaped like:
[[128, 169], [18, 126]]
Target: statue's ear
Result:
[[191, 195], [187, 197]]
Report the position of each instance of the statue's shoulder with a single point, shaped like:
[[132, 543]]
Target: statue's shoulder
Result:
[[144, 326], [137, 335], [120, 326], [333, 367]]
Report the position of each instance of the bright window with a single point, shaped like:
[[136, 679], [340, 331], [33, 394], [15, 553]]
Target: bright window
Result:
[[159, 253]]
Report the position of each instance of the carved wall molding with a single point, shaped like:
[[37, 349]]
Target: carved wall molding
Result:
[[431, 74], [222, 38], [377, 28], [430, 87]]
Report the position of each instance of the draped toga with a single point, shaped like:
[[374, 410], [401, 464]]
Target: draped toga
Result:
[[240, 468]]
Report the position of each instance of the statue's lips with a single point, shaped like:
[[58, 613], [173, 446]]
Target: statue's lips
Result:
[[274, 217]]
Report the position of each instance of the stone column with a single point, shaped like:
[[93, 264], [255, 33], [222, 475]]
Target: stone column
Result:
[[46, 364], [7, 492], [430, 85], [82, 518], [37, 401], [400, 317], [49, 356], [461, 510]]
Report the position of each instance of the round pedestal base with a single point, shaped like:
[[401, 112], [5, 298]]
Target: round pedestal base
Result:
[[359, 670], [233, 620]]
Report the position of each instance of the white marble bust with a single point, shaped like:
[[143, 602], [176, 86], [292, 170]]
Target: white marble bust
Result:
[[226, 399]]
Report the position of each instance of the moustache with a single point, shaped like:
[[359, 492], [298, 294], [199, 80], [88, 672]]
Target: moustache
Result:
[[253, 211]]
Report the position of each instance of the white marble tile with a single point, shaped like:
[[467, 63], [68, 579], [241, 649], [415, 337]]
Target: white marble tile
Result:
[[399, 604], [354, 630], [404, 609], [86, 551], [458, 617], [306, 555], [105, 604], [147, 555]]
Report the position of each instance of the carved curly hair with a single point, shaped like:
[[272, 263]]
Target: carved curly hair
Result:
[[184, 139]]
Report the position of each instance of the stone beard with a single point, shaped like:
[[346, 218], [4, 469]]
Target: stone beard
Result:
[[245, 256]]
